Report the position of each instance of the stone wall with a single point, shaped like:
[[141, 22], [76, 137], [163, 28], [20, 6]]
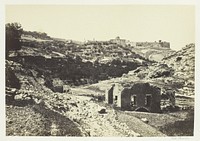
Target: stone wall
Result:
[[142, 91], [139, 95], [124, 42], [109, 95], [153, 44], [125, 99]]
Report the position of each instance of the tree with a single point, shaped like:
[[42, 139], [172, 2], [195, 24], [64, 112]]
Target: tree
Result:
[[13, 36]]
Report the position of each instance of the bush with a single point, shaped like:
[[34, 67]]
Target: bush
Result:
[[13, 35]]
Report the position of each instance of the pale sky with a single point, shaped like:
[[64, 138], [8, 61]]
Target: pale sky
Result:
[[172, 23]]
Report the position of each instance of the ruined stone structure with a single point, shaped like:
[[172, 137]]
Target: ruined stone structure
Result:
[[139, 97], [109, 95]]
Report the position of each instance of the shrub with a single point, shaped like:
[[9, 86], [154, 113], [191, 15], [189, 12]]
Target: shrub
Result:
[[13, 35]]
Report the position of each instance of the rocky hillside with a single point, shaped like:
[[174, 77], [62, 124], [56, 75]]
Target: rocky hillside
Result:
[[174, 72], [183, 63], [67, 62], [93, 50], [154, 51], [36, 110], [72, 62], [88, 51]]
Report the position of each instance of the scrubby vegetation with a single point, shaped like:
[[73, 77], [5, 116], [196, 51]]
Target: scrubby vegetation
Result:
[[13, 36], [36, 34]]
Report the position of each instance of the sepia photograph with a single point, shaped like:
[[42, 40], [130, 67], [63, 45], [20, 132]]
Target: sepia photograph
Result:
[[99, 70]]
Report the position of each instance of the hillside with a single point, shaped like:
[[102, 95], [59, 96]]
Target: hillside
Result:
[[183, 63], [43, 112], [67, 62], [75, 63], [175, 71], [37, 105], [153, 53]]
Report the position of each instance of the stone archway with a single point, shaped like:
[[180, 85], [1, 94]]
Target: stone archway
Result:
[[142, 109]]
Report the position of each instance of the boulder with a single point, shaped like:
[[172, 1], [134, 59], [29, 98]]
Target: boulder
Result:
[[102, 110], [145, 120]]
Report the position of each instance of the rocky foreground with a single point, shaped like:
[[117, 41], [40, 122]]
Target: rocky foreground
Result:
[[38, 111], [79, 113], [61, 114], [67, 116]]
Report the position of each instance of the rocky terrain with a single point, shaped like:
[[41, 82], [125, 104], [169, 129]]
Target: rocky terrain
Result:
[[57, 114], [35, 105], [183, 63], [175, 71]]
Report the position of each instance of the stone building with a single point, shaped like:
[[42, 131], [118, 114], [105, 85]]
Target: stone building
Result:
[[138, 97], [160, 43], [119, 41], [109, 95], [123, 42]]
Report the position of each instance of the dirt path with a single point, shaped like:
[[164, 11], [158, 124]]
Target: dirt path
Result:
[[84, 112], [104, 124], [94, 123], [113, 119], [138, 126]]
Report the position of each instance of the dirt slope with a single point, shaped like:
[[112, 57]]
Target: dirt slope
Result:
[[140, 127]]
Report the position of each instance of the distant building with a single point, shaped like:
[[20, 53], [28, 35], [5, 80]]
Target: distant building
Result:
[[163, 44], [124, 42], [119, 41]]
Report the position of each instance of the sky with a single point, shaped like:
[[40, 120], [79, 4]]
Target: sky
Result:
[[171, 23]]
